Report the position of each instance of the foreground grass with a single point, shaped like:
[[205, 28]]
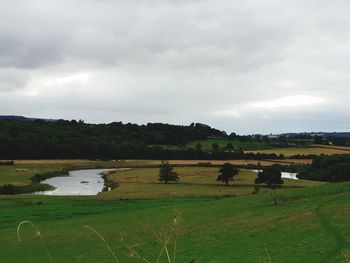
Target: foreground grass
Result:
[[308, 225], [194, 181]]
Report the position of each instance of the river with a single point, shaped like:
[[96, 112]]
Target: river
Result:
[[78, 182], [285, 175]]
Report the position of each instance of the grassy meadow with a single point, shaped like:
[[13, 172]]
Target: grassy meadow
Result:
[[218, 224], [308, 225], [194, 181]]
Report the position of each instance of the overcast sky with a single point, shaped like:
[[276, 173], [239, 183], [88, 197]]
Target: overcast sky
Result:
[[263, 66]]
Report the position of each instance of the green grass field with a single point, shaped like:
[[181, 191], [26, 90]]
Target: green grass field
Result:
[[207, 144], [218, 224], [308, 225]]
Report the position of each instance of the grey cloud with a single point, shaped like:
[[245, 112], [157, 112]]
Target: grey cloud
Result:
[[176, 61], [12, 79]]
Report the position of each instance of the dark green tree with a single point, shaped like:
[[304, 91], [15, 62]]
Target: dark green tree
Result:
[[199, 147], [215, 147], [166, 173], [227, 172], [271, 176], [7, 189], [230, 147]]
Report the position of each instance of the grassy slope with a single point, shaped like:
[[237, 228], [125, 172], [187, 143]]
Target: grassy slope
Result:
[[207, 144], [309, 225], [194, 181]]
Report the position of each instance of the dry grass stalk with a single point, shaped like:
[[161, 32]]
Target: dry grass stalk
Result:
[[346, 255], [37, 235], [104, 241]]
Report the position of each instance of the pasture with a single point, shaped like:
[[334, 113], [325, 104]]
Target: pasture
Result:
[[308, 225], [218, 224], [194, 182]]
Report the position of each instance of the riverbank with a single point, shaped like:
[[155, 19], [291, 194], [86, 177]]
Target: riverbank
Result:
[[25, 176]]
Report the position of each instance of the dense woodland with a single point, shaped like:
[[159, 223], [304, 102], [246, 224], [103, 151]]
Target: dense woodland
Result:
[[39, 139], [333, 168], [28, 138]]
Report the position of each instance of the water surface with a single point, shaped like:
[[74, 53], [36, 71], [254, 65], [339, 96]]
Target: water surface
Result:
[[79, 182], [285, 175]]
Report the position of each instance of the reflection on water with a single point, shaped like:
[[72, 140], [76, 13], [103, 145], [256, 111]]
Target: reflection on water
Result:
[[284, 175], [79, 182]]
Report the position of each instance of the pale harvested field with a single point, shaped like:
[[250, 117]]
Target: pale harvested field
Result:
[[132, 163], [306, 150], [237, 162], [342, 148]]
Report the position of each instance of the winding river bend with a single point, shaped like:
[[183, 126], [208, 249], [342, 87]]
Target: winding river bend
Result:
[[79, 182]]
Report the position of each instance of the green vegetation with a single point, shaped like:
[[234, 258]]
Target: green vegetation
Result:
[[222, 143], [308, 225], [166, 173], [301, 221], [227, 172], [334, 168], [40, 139], [218, 224], [271, 176]]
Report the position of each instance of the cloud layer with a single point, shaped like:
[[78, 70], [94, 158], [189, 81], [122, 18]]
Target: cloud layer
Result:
[[243, 66]]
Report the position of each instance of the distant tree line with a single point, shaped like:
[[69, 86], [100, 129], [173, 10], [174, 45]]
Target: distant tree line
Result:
[[333, 168], [76, 139], [339, 141], [40, 139]]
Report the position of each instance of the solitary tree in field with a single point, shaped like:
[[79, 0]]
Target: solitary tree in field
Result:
[[166, 173], [271, 176], [227, 172]]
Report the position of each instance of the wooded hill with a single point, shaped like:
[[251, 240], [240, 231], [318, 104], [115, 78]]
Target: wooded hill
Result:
[[76, 139]]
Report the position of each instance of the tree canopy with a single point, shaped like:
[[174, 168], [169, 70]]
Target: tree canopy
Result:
[[271, 176], [61, 139], [335, 168], [227, 172], [166, 173]]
